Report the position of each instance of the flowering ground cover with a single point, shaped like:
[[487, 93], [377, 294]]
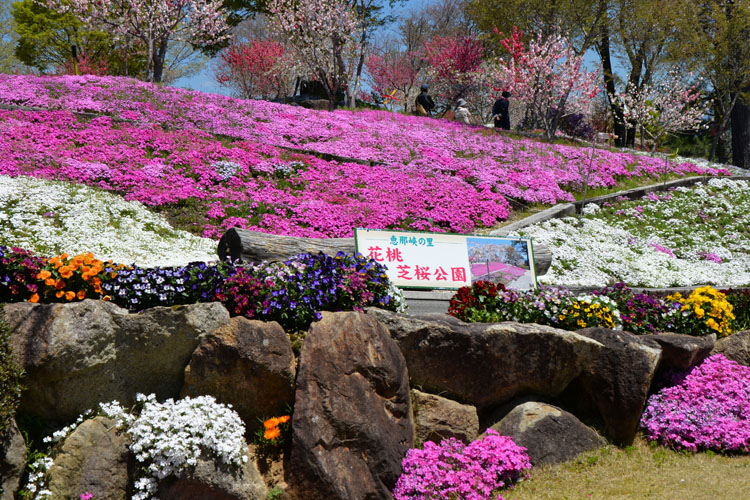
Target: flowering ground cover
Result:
[[51, 217], [684, 237], [208, 186], [452, 469], [489, 163], [708, 409]]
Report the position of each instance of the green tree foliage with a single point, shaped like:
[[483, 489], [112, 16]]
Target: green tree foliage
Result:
[[580, 19], [713, 37], [45, 38], [10, 377], [8, 61]]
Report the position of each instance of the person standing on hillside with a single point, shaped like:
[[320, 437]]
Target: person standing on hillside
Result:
[[424, 103], [501, 112], [462, 113]]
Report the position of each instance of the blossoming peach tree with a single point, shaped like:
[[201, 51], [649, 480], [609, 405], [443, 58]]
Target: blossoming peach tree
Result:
[[319, 34], [548, 77]]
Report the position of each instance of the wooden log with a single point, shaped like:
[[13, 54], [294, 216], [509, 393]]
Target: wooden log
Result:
[[253, 246]]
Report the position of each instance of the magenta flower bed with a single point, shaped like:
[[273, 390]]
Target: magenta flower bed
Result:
[[708, 410], [172, 169], [452, 469], [523, 169]]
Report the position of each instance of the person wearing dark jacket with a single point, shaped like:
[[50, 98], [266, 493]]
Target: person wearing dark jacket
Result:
[[425, 101], [501, 112]]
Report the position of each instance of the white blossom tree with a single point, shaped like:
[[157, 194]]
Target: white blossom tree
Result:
[[154, 22], [320, 34], [671, 105]]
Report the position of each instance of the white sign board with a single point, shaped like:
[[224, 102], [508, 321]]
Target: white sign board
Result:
[[440, 260]]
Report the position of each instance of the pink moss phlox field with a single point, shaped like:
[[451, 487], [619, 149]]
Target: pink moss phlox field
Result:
[[708, 410], [156, 167], [525, 169], [437, 175], [452, 469]]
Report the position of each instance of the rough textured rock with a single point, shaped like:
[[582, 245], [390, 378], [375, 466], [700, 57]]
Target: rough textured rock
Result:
[[437, 418], [549, 434], [681, 352], [248, 364], [487, 364], [77, 355], [211, 481], [735, 347], [94, 458], [12, 460], [352, 420], [615, 386]]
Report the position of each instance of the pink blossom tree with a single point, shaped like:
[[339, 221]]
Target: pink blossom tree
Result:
[[548, 77], [257, 68], [671, 105], [155, 22], [395, 70], [319, 34]]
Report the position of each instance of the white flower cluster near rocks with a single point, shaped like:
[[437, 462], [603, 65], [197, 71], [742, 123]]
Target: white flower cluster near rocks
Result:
[[51, 217], [166, 438], [685, 237]]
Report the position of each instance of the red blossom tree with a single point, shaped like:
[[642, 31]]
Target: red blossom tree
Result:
[[394, 70], [255, 69], [455, 68]]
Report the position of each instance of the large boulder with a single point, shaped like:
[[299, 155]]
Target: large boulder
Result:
[[549, 434], [487, 364], [79, 354], [93, 458], [352, 420], [209, 480], [735, 347], [12, 460], [437, 418], [615, 386], [248, 364], [682, 352]]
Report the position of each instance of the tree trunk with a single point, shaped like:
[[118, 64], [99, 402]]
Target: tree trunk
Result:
[[741, 134], [159, 57], [609, 83]]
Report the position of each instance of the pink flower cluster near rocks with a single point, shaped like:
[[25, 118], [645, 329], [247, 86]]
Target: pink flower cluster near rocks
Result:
[[435, 175], [708, 410]]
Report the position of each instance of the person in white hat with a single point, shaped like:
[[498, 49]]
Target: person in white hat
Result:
[[462, 113]]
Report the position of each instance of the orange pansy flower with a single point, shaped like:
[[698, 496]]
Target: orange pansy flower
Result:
[[70, 295], [59, 294], [50, 281], [60, 284], [66, 272], [81, 294], [43, 274], [34, 298]]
